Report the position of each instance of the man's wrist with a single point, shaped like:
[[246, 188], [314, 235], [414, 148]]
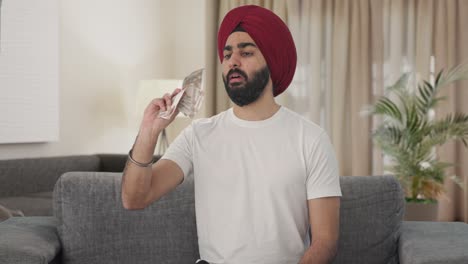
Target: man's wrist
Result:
[[139, 164], [145, 143], [148, 135]]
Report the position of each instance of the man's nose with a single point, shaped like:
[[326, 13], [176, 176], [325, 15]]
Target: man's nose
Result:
[[234, 61]]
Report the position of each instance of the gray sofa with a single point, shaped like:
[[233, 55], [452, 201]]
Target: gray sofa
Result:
[[91, 226], [27, 184]]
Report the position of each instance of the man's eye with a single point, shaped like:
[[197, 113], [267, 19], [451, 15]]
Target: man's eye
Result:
[[227, 56], [246, 54]]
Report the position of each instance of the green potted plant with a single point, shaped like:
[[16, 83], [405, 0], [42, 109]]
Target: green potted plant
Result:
[[409, 133]]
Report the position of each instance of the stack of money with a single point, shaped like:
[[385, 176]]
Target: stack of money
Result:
[[190, 99], [191, 102]]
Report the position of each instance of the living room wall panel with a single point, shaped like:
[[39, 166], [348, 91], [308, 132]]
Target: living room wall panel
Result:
[[29, 71]]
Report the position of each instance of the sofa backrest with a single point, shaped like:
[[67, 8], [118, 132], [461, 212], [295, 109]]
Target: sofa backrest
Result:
[[371, 213], [33, 175], [95, 228], [115, 162]]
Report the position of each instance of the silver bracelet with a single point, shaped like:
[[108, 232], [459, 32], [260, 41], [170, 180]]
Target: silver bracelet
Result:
[[139, 164]]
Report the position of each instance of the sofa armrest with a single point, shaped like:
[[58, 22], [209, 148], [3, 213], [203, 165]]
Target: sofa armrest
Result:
[[433, 243], [32, 239]]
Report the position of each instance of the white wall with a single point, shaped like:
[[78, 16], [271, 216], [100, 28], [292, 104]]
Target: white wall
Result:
[[106, 47]]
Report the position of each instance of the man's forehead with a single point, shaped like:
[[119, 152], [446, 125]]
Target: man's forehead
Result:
[[238, 37]]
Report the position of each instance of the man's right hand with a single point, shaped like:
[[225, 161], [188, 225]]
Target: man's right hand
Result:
[[150, 117], [152, 125]]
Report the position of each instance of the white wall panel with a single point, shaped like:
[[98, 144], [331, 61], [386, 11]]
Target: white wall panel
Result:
[[29, 71]]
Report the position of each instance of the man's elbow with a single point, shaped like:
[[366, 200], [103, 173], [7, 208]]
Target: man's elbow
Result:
[[132, 204], [333, 249], [329, 247]]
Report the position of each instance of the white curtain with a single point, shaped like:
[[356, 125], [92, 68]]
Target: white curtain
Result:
[[350, 50], [426, 36], [334, 79]]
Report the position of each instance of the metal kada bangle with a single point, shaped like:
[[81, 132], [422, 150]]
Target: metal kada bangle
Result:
[[139, 164]]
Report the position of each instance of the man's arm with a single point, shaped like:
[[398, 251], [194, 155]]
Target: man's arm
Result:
[[142, 185], [163, 177], [324, 217]]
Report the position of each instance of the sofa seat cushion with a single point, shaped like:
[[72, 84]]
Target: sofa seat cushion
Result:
[[35, 204], [433, 243], [29, 240]]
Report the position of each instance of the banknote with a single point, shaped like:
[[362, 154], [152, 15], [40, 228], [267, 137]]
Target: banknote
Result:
[[190, 99]]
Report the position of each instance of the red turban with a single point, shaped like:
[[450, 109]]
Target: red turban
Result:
[[272, 37]]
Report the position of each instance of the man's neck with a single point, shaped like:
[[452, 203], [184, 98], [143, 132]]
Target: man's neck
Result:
[[264, 108]]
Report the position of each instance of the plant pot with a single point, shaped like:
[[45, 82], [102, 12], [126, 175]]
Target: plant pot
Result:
[[421, 211]]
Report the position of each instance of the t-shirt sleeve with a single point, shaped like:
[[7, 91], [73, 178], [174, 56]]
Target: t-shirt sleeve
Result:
[[322, 169], [180, 150]]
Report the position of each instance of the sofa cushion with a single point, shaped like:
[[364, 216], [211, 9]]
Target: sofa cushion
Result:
[[35, 204], [95, 228], [433, 243], [372, 209], [115, 162], [112, 162], [27, 240], [33, 175]]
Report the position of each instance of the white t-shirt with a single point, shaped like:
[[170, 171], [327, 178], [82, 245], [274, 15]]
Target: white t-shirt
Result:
[[252, 182]]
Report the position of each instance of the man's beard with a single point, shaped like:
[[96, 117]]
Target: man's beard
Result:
[[248, 93]]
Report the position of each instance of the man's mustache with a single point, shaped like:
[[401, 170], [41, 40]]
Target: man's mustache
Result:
[[238, 71]]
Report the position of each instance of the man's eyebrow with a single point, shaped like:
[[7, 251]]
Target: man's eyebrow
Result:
[[245, 44], [240, 46]]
